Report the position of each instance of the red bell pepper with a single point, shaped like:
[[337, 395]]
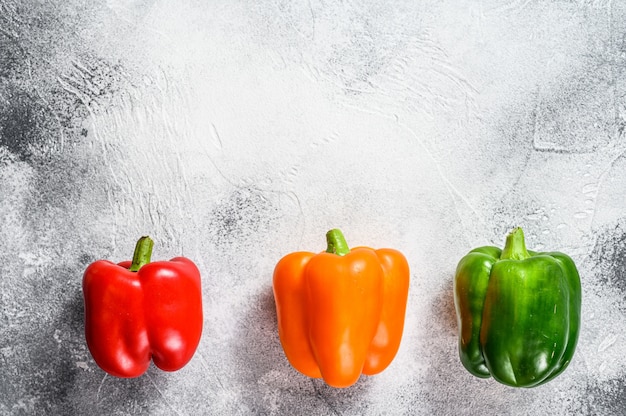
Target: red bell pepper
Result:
[[137, 311]]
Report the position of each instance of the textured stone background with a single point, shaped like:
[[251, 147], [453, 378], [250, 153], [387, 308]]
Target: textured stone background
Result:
[[235, 132]]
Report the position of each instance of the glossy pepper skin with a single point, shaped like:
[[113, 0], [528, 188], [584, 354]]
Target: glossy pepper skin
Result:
[[137, 311], [518, 312], [341, 312]]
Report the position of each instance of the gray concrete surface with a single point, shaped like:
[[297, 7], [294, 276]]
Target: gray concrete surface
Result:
[[236, 132]]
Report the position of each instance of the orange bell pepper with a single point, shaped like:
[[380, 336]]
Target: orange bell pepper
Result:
[[341, 312]]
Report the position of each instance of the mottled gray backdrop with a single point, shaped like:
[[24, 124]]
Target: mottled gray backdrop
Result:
[[235, 132]]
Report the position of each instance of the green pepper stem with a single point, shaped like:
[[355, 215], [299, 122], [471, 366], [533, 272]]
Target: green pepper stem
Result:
[[336, 243], [143, 252], [515, 247]]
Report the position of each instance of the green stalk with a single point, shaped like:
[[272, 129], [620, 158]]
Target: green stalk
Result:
[[515, 247], [336, 243], [143, 252]]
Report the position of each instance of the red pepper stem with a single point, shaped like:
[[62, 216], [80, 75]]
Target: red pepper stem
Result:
[[336, 243], [143, 252], [515, 247]]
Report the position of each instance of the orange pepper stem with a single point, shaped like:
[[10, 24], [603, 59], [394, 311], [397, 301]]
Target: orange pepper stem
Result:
[[336, 243], [143, 252]]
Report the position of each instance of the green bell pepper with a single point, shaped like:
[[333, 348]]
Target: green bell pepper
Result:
[[518, 312]]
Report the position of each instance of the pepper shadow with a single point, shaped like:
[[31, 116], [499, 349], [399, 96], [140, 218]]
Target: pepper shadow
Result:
[[269, 384], [42, 370], [445, 385], [442, 308]]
